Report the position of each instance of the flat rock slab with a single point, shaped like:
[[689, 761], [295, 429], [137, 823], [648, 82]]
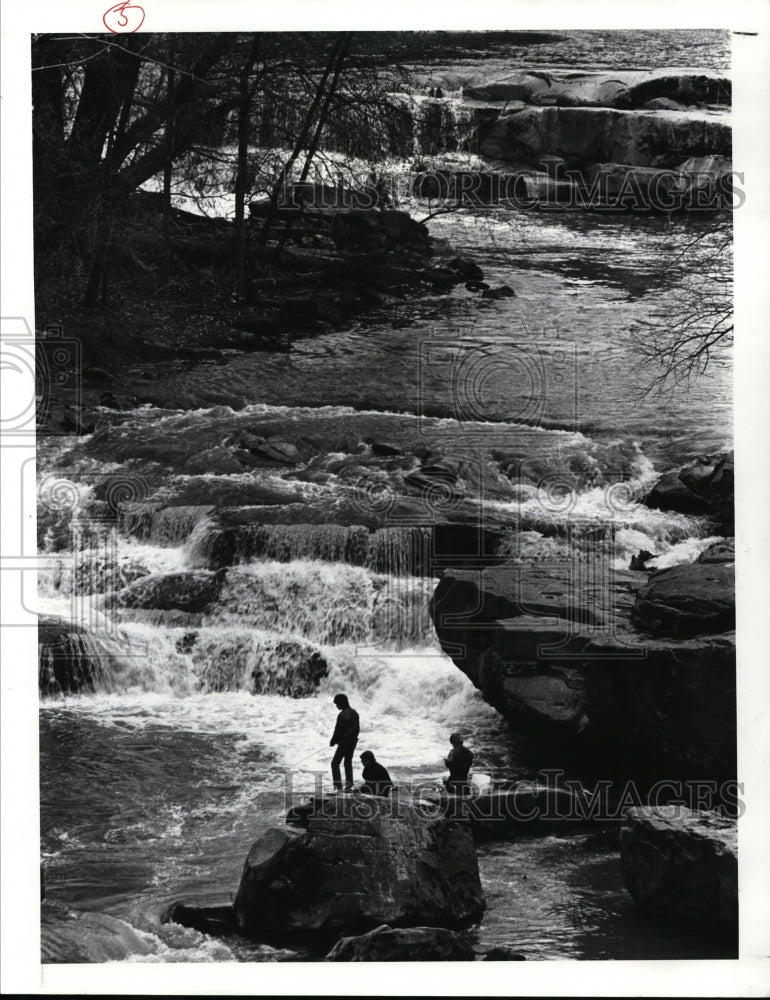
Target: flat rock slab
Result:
[[678, 861]]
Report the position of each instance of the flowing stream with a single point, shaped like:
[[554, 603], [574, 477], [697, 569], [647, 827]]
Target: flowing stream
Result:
[[155, 784]]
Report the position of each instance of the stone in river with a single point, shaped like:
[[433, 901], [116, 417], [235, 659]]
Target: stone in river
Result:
[[361, 862], [719, 552], [407, 944], [703, 486], [191, 591], [216, 920], [467, 268], [680, 862], [687, 600], [502, 954], [271, 449], [503, 292]]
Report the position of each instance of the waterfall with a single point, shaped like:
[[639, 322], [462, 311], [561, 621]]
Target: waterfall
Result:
[[397, 550]]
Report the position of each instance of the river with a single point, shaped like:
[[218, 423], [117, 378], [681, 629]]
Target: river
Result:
[[154, 786]]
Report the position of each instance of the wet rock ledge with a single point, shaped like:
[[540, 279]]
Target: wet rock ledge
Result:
[[639, 673]]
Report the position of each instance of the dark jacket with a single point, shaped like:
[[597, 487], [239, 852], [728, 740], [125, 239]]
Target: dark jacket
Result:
[[459, 762], [346, 730], [377, 780]]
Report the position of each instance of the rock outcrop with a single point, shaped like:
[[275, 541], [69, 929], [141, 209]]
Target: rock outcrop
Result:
[[560, 651], [683, 863], [617, 89], [583, 136], [361, 862], [412, 944], [687, 600]]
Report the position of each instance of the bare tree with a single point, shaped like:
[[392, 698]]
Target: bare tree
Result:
[[696, 330]]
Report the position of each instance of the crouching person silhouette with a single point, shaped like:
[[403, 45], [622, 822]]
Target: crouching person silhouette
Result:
[[376, 778], [345, 738]]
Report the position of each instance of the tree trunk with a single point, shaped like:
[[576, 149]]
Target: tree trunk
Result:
[[241, 179], [168, 142]]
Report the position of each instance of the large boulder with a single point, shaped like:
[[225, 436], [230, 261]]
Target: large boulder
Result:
[[409, 944], [555, 650], [361, 862], [683, 863], [687, 600]]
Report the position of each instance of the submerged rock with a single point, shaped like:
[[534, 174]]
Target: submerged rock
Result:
[[412, 944], [190, 591], [502, 813], [503, 292], [361, 862], [681, 862], [502, 954]]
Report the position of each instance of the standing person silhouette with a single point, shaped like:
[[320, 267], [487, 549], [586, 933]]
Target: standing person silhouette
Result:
[[459, 761], [345, 737]]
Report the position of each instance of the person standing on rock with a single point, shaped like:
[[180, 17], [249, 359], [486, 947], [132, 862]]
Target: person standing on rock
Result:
[[376, 778], [345, 738], [459, 761]]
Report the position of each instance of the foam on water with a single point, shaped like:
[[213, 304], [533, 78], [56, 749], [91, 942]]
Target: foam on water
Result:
[[408, 702]]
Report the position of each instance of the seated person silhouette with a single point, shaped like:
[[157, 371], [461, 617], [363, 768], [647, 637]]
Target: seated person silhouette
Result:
[[459, 761]]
